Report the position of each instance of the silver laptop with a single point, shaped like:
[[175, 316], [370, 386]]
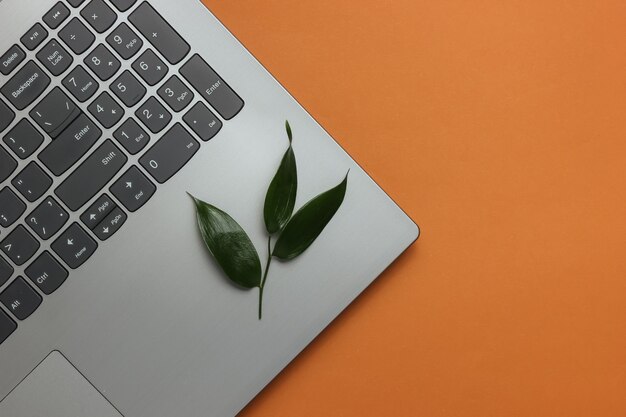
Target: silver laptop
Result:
[[116, 298]]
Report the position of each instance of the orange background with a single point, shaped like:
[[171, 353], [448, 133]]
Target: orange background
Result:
[[499, 126]]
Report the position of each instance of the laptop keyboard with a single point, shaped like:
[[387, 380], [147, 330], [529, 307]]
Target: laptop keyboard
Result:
[[75, 115]]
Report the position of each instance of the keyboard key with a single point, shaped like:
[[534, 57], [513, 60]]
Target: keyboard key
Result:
[[26, 85], [176, 94], [32, 182], [91, 176], [102, 62], [99, 15], [202, 121], [159, 33], [6, 270], [33, 38], [123, 5], [11, 207], [80, 84], [97, 211], [133, 189], [74, 246], [150, 67], [46, 273], [56, 15], [71, 145], [214, 90], [7, 326], [23, 139], [6, 116], [128, 89], [124, 41], [106, 110], [111, 224], [54, 57], [77, 36], [55, 112], [7, 164], [131, 136], [19, 245], [47, 219], [153, 115], [11, 59], [169, 154], [75, 3], [20, 299]]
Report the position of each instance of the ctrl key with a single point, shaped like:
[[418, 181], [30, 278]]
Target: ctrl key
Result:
[[20, 299], [74, 246]]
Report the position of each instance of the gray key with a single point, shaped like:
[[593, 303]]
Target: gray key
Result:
[[170, 153], [6, 270], [97, 211], [133, 189], [56, 15], [7, 164], [128, 89], [7, 326], [77, 36], [47, 219], [159, 33], [206, 81], [11, 207], [55, 112], [20, 299], [26, 85], [102, 62], [111, 224], [23, 139], [46, 273], [35, 35], [54, 57], [80, 84], [71, 145], [91, 176], [74, 246], [6, 116], [19, 245], [131, 136], [176, 94], [32, 182], [99, 15], [153, 115], [11, 59], [202, 121], [123, 5], [106, 110], [124, 41], [150, 67]]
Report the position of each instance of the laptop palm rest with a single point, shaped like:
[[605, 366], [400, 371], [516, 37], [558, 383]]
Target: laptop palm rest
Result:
[[56, 389]]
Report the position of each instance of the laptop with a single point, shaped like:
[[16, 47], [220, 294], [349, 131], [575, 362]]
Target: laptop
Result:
[[113, 301]]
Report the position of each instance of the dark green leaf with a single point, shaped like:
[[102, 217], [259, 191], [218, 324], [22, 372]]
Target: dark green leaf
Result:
[[229, 244], [289, 134], [281, 194], [307, 224]]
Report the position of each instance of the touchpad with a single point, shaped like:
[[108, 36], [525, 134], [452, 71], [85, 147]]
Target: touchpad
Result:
[[56, 389]]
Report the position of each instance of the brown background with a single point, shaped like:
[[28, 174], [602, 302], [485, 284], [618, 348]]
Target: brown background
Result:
[[499, 127]]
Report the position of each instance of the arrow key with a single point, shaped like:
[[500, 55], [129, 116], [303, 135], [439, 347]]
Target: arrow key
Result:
[[111, 224], [133, 189], [74, 246], [97, 211]]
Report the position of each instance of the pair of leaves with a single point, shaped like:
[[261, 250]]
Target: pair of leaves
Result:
[[232, 248]]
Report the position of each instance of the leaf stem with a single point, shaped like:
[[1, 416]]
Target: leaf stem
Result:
[[267, 269]]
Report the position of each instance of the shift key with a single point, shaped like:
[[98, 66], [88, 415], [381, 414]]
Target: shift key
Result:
[[91, 176]]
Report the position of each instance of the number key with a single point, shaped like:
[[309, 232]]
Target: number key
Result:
[[80, 84], [150, 67], [47, 218], [128, 89], [32, 182], [106, 110], [176, 94], [131, 136], [153, 115], [102, 62], [124, 41], [11, 207], [19, 245]]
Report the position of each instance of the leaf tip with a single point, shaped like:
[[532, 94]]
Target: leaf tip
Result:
[[289, 133]]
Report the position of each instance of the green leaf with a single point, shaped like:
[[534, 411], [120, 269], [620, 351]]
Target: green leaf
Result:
[[229, 244], [281, 194], [289, 134], [307, 224]]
